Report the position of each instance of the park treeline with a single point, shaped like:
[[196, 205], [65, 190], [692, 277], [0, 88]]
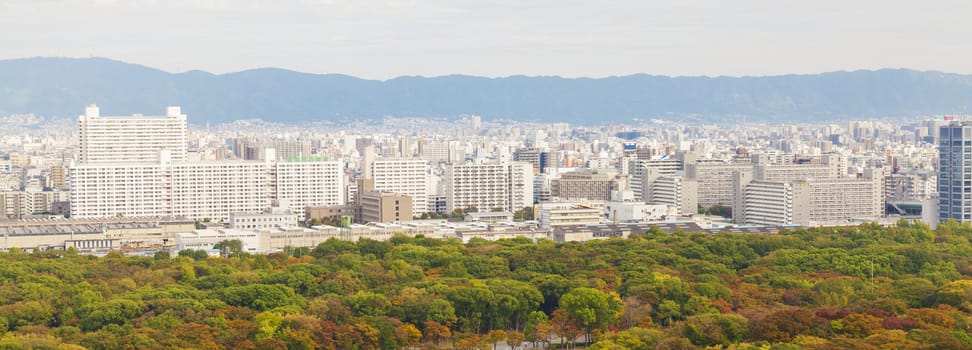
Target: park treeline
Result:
[[861, 287]]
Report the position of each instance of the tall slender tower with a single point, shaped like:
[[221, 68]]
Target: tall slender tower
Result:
[[955, 172]]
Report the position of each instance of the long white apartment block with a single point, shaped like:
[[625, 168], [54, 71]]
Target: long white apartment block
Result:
[[118, 190], [213, 190], [503, 186], [201, 190], [136, 138], [404, 176], [790, 172], [808, 202]]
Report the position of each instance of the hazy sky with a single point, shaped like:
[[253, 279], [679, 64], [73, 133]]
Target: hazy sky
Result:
[[383, 39]]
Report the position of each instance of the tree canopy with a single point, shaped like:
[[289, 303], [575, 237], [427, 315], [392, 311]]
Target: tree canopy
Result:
[[863, 286]]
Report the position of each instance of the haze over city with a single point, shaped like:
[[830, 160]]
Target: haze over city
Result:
[[385, 39]]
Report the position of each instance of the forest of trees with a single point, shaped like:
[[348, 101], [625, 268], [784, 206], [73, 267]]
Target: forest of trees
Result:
[[861, 287]]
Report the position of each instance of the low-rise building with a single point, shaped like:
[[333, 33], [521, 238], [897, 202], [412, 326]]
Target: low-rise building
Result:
[[554, 214], [270, 218]]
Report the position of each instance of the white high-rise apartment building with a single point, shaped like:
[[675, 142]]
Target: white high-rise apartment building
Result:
[[404, 176], [521, 185], [214, 189], [504, 186], [309, 182], [133, 139], [765, 203], [117, 190]]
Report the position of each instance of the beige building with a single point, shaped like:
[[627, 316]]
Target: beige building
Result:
[[58, 178], [332, 212], [556, 214], [384, 207], [586, 185]]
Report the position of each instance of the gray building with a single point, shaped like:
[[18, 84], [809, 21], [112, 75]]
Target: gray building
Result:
[[955, 172]]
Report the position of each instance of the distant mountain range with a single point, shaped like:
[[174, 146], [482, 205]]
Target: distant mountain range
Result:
[[61, 87]]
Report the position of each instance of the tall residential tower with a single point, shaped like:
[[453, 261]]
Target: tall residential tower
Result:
[[132, 139]]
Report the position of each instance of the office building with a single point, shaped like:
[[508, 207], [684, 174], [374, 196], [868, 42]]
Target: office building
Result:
[[384, 207], [542, 160], [435, 151], [955, 172], [271, 218], [586, 185], [626, 212]]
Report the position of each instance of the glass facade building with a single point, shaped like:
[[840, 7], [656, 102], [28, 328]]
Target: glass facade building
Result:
[[955, 172]]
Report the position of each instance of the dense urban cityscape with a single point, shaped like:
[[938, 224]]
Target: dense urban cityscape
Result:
[[141, 183]]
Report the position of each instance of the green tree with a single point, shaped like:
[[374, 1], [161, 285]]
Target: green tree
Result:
[[261, 296], [532, 329], [591, 308], [230, 247]]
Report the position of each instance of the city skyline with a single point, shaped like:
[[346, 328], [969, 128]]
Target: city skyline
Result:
[[382, 40]]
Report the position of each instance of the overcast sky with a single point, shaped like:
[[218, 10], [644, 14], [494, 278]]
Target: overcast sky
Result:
[[596, 38]]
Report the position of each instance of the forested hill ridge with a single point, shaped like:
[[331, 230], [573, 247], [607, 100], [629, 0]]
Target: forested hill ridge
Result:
[[61, 87], [862, 287]]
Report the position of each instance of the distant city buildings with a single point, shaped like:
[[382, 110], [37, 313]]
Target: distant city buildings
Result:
[[138, 166]]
